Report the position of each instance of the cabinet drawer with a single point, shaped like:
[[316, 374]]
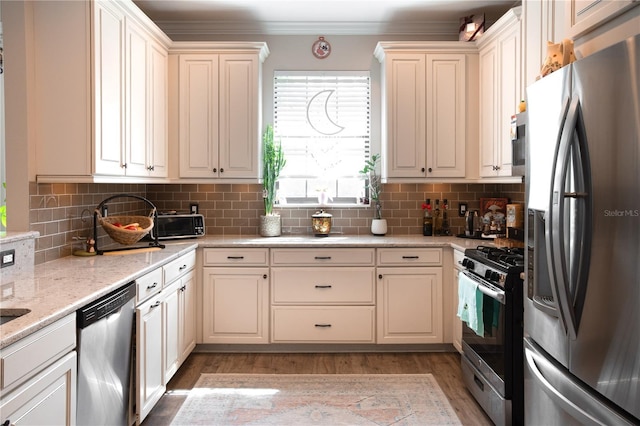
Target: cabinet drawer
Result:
[[311, 285], [175, 268], [319, 256], [236, 257], [148, 285], [341, 324], [409, 257], [32, 354]]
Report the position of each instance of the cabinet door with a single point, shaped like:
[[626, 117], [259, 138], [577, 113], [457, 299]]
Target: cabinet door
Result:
[[187, 305], [586, 15], [157, 142], [488, 101], [47, 399], [457, 324], [446, 117], [510, 95], [235, 305], [149, 354], [172, 329], [239, 136], [198, 115], [410, 305], [136, 100], [108, 57], [405, 115]]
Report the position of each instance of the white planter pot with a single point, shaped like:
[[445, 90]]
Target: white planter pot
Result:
[[379, 227], [270, 226]]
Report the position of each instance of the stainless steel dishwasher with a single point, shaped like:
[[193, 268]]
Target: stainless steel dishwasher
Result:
[[105, 330]]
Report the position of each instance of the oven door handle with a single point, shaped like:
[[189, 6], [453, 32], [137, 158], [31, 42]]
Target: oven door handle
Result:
[[497, 295]]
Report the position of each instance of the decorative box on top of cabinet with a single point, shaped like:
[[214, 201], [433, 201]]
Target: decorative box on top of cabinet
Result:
[[323, 295], [501, 90], [425, 108], [219, 113], [112, 79], [235, 295], [409, 292]]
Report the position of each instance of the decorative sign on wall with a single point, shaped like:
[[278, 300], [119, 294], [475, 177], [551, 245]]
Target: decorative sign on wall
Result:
[[471, 27], [321, 48]]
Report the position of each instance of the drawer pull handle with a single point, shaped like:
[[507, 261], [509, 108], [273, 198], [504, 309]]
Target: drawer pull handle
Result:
[[151, 287], [411, 257], [323, 257], [235, 257], [323, 325], [155, 305], [182, 267], [183, 288], [323, 286]]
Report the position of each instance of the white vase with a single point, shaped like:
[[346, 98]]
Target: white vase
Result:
[[379, 227], [270, 226]]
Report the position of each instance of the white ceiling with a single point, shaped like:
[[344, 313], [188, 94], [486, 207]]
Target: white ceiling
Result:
[[316, 16]]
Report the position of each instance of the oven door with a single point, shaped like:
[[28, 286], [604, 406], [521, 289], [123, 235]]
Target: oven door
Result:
[[487, 353]]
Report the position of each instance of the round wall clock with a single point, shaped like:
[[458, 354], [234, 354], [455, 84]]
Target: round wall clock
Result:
[[321, 48]]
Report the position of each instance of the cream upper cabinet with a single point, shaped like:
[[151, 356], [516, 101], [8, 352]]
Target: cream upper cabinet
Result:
[[424, 109], [219, 123], [501, 90], [584, 16], [113, 84]]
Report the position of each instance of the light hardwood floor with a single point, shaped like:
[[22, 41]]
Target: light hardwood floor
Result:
[[444, 366]]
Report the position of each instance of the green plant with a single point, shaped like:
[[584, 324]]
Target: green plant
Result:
[[3, 209], [272, 163], [374, 183]]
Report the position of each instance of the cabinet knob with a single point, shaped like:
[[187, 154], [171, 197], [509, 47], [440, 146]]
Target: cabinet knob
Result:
[[380, 276], [151, 168], [124, 165], [215, 170], [264, 276], [221, 170], [422, 170], [430, 169]]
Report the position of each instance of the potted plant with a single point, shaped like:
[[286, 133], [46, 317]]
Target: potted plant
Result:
[[378, 224], [272, 163]]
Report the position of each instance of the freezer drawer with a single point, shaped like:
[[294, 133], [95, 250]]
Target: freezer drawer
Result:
[[555, 397]]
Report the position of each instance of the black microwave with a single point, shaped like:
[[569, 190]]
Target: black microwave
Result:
[[518, 144], [177, 226]]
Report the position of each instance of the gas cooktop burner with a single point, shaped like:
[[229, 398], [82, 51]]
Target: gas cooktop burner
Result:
[[504, 257]]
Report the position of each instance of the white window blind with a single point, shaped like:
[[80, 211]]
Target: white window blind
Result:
[[323, 122]]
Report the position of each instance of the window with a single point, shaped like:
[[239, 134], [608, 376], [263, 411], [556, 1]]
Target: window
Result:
[[322, 120]]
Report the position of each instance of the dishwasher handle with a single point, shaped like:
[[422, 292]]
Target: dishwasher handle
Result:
[[105, 306]]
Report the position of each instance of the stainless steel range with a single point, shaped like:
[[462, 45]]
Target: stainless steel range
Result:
[[492, 361]]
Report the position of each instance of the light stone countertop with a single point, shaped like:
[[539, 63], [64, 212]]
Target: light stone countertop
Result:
[[55, 289]]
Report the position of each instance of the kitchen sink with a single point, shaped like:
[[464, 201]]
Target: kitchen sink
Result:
[[8, 314]]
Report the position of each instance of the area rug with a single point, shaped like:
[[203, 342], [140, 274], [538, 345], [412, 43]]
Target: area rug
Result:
[[316, 399]]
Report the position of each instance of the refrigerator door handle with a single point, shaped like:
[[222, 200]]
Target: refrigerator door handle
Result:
[[568, 245], [570, 395]]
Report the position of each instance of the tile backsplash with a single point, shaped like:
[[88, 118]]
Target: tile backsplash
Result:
[[62, 213]]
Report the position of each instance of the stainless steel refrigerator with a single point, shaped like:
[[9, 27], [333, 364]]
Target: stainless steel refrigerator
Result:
[[582, 302]]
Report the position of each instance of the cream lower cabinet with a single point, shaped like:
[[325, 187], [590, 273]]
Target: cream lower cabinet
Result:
[[38, 379], [455, 321], [235, 296], [409, 295], [165, 328], [323, 295]]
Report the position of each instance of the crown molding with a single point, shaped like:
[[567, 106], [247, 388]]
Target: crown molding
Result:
[[191, 28]]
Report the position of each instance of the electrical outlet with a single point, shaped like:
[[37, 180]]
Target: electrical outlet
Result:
[[462, 209], [7, 258], [193, 208]]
